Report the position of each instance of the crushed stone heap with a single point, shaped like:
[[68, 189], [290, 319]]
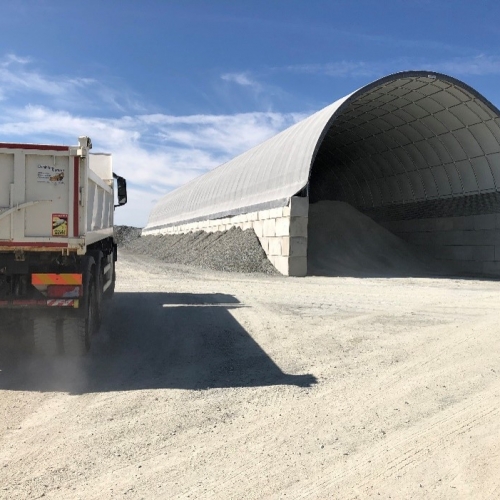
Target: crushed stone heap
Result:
[[233, 250]]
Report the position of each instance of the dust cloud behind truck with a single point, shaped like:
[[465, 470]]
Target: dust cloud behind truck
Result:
[[57, 250]]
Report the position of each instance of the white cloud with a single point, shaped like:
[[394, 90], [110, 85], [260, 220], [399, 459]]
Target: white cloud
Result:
[[241, 79]]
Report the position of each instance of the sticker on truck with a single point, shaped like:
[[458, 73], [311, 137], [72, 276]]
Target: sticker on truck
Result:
[[51, 175], [59, 224]]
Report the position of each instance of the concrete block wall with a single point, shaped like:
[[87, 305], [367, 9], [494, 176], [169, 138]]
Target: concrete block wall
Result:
[[471, 242], [282, 232]]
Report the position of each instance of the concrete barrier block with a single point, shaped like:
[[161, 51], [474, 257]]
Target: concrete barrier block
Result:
[[417, 238], [465, 223], [497, 252], [281, 264], [449, 238], [269, 228], [496, 236], [470, 253], [297, 266], [298, 226], [264, 243], [491, 268], [275, 246], [274, 213], [487, 221], [299, 206], [298, 246], [258, 227], [283, 226], [263, 214], [423, 224], [294, 247], [407, 226], [443, 224]]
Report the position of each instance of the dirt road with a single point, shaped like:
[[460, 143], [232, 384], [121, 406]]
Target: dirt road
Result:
[[227, 386]]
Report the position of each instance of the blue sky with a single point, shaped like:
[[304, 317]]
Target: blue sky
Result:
[[175, 88]]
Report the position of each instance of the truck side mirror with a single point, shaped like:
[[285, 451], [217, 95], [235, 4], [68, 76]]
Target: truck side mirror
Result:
[[122, 190]]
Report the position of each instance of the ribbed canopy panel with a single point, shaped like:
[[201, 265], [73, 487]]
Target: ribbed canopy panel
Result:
[[409, 139]]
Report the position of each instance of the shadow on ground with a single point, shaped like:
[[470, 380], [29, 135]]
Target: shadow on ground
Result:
[[153, 341]]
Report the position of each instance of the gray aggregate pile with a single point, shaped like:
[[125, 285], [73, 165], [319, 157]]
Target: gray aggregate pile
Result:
[[234, 250], [126, 234]]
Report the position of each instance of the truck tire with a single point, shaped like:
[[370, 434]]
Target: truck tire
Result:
[[45, 335], [110, 291], [99, 284], [77, 329]]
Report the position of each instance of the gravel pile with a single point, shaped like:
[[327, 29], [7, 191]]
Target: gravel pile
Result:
[[234, 250], [126, 234]]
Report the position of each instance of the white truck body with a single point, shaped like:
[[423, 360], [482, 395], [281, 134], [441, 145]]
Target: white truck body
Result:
[[54, 197]]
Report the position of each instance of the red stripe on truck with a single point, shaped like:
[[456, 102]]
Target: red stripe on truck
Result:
[[40, 147], [41, 244], [76, 201]]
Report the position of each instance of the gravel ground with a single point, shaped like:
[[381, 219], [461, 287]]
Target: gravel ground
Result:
[[211, 385], [234, 250]]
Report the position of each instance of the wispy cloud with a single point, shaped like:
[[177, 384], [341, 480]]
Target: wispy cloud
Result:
[[242, 79], [337, 69], [16, 77], [479, 65], [227, 134], [19, 76]]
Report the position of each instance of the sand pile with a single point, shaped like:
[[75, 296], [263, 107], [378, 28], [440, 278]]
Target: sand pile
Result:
[[344, 242]]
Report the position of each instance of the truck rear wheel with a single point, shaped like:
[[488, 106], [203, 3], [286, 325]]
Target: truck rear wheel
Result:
[[77, 329], [45, 335]]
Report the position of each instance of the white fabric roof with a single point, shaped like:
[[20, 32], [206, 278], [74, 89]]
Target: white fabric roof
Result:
[[406, 137]]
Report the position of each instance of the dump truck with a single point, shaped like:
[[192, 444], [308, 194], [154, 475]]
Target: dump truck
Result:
[[57, 250]]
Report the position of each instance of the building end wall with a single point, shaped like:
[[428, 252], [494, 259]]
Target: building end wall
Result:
[[471, 243]]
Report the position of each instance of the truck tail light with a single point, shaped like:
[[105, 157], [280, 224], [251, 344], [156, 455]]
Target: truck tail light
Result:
[[64, 291]]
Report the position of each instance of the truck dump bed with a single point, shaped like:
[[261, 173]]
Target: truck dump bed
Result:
[[54, 198]]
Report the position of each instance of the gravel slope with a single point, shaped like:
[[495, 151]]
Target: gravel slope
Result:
[[206, 384], [234, 250]]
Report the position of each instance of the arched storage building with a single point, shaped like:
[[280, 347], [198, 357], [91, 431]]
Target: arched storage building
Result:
[[417, 151]]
